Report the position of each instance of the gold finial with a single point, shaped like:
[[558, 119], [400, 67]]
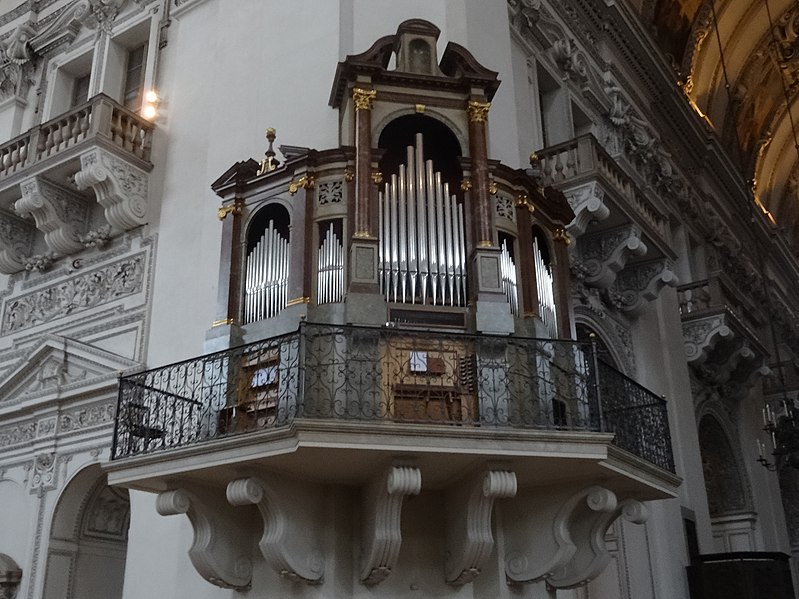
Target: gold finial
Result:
[[269, 162], [363, 98], [534, 159], [478, 111]]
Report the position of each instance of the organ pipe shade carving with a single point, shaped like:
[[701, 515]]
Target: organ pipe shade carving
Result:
[[508, 272], [546, 295], [267, 276], [422, 248], [330, 275]]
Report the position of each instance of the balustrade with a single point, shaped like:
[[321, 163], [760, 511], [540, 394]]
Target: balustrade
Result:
[[583, 158], [101, 117]]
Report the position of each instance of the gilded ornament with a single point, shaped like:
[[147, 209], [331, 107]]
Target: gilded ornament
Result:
[[478, 111], [420, 108], [561, 235], [234, 208], [493, 187], [523, 201], [223, 322], [466, 185], [298, 300], [349, 175], [363, 98], [377, 177], [304, 182]]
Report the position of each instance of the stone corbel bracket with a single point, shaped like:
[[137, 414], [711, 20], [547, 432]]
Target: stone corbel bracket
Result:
[[120, 187], [16, 242], [381, 528], [59, 213], [640, 284], [290, 513], [701, 336], [469, 537], [551, 530], [605, 253], [587, 201], [592, 556], [221, 547]]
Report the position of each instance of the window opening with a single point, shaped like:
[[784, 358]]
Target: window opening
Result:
[[80, 90], [134, 78]]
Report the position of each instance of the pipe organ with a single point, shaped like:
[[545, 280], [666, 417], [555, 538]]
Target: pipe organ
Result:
[[330, 273], [545, 284], [422, 248], [508, 274], [267, 276]]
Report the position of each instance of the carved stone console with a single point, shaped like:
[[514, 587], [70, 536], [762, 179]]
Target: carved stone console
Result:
[[59, 213]]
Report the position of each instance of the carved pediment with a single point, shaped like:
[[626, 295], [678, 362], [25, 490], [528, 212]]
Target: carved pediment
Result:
[[59, 366]]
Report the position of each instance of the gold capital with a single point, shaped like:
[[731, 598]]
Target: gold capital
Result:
[[363, 98], [478, 111]]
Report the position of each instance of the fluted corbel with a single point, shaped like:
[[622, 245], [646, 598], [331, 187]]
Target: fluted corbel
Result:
[[642, 283], [605, 253], [120, 187], [469, 536], [587, 201], [220, 551], [381, 527], [290, 542], [592, 556], [550, 530], [61, 214]]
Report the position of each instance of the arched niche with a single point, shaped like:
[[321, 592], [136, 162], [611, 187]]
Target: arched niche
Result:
[[15, 535], [728, 495], [88, 541], [613, 341]]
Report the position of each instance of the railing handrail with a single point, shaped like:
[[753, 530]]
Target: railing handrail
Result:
[[361, 372]]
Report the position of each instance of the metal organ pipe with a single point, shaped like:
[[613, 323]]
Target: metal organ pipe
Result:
[[422, 247], [508, 273], [545, 283], [266, 276], [330, 279]]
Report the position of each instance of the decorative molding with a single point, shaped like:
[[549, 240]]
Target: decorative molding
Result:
[[220, 550], [120, 187], [469, 509], [81, 292], [381, 526], [57, 366], [16, 242], [330, 192], [87, 417], [289, 542], [587, 201], [18, 434], [700, 336], [44, 475], [59, 213], [504, 206]]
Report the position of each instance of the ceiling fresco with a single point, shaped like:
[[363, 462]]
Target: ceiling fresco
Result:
[[759, 59]]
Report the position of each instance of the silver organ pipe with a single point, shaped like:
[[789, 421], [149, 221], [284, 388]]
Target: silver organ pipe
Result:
[[422, 248], [330, 274], [266, 276], [508, 272], [545, 284]]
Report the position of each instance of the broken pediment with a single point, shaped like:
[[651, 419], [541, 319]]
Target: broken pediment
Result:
[[58, 367]]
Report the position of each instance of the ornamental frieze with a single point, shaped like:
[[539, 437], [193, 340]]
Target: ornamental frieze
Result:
[[79, 293]]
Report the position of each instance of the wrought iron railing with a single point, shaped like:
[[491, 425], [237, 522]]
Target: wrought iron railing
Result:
[[388, 375]]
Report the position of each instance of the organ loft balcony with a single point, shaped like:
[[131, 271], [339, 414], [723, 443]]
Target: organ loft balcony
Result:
[[72, 182]]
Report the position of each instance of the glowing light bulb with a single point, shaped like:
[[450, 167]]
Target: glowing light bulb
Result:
[[151, 96], [149, 111]]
